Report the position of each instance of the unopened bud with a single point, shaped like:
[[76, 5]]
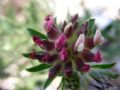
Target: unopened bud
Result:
[[98, 38]]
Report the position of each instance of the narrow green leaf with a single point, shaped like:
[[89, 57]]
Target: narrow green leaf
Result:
[[27, 55], [91, 23], [107, 29], [103, 66], [39, 67], [91, 27], [48, 82], [110, 74], [36, 33], [96, 75], [101, 74]]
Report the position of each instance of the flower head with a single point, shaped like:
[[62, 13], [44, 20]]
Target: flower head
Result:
[[67, 47]]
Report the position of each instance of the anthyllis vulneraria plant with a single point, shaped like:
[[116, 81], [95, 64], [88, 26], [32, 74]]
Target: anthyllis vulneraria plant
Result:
[[66, 50]]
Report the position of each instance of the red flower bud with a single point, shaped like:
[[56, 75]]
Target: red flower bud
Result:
[[68, 30], [87, 55], [85, 68], [63, 54], [48, 45], [38, 41], [74, 18], [49, 21], [63, 26], [53, 71], [53, 34], [98, 38], [68, 68], [75, 25], [89, 43], [97, 57], [60, 42]]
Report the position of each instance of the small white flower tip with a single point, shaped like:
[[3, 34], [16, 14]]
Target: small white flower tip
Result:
[[80, 47], [67, 27], [80, 43], [98, 38]]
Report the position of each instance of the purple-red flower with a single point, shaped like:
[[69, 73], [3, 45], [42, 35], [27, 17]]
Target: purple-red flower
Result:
[[97, 57], [67, 48], [85, 68], [60, 42], [63, 54]]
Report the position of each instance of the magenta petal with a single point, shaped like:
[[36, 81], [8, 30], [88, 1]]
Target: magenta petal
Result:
[[60, 42], [48, 45], [63, 54], [44, 57], [97, 57], [49, 21], [38, 41]]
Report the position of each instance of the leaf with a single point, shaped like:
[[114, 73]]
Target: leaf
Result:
[[101, 74], [107, 29], [91, 27], [91, 23], [36, 33], [48, 82], [39, 67], [106, 32], [110, 74], [95, 74], [103, 66], [27, 55]]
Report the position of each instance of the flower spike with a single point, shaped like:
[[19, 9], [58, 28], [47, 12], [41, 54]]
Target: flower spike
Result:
[[67, 49]]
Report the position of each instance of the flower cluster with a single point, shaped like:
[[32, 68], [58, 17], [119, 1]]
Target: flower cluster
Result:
[[68, 46]]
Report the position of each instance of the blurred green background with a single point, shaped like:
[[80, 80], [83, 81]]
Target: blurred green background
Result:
[[18, 15]]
